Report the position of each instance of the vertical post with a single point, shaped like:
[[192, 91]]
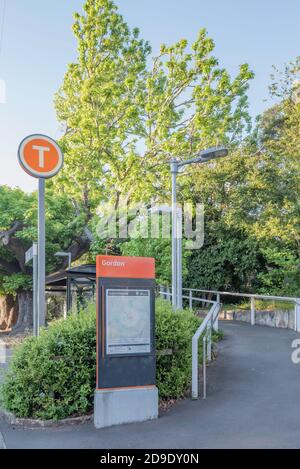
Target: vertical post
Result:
[[195, 368], [297, 315], [216, 313], [41, 254], [69, 260], [204, 367], [179, 258], [252, 311], [69, 294], [209, 344], [174, 171], [65, 310], [191, 300], [35, 291]]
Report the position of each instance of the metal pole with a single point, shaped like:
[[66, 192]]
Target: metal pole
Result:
[[174, 171], [191, 300], [204, 367], [179, 258], [252, 311], [41, 254], [69, 294], [216, 319], [297, 315], [209, 344], [35, 290], [195, 366]]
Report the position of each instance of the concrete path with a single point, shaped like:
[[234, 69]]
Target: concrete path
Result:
[[253, 402]]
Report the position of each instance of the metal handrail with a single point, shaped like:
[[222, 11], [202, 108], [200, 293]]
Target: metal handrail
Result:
[[254, 297], [245, 295], [205, 327], [209, 323]]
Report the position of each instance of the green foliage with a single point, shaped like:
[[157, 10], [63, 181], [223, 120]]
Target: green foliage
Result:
[[174, 332], [160, 249], [63, 227], [124, 112], [11, 284], [230, 264], [251, 224], [53, 376], [99, 103]]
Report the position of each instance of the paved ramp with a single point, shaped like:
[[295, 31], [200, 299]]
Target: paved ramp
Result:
[[253, 402]]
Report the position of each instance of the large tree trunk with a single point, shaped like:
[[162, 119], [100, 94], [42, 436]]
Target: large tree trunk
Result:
[[16, 313], [8, 312], [25, 310]]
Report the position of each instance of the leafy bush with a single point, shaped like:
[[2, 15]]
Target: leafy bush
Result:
[[53, 376], [174, 333]]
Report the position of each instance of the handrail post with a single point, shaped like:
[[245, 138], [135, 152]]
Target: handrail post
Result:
[[252, 311], [195, 368], [209, 343], [191, 300], [204, 367], [216, 315], [297, 315]]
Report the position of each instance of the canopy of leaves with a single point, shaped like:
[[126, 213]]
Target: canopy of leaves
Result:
[[18, 230], [124, 113]]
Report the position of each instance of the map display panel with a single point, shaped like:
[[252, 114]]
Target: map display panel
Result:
[[128, 329]]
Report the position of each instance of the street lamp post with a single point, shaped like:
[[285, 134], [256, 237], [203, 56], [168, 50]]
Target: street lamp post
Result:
[[174, 172], [65, 254], [175, 166]]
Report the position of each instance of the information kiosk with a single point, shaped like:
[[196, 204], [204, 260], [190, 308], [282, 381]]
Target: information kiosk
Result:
[[126, 390]]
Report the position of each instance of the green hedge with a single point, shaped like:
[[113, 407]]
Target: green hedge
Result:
[[53, 376], [174, 333]]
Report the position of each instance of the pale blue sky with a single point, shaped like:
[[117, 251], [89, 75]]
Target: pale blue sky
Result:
[[38, 44]]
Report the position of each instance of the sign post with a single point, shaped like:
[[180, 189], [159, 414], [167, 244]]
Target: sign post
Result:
[[41, 254], [32, 255], [126, 357], [40, 157]]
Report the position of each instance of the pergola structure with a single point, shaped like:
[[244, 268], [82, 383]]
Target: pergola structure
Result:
[[80, 279]]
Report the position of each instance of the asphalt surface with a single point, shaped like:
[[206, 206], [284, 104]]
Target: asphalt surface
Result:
[[253, 401]]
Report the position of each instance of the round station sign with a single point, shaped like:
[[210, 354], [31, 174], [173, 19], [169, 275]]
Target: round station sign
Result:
[[40, 156]]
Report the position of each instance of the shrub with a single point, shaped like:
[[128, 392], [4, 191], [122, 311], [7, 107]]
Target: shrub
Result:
[[174, 334], [53, 376]]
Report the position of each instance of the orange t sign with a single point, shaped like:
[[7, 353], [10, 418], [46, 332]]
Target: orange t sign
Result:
[[40, 156]]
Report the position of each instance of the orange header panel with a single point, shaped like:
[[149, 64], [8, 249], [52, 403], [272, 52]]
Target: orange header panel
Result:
[[125, 267]]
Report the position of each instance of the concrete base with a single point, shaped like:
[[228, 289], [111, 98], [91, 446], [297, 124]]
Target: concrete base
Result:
[[126, 405]]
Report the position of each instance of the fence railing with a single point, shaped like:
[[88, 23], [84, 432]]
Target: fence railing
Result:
[[209, 323], [218, 295]]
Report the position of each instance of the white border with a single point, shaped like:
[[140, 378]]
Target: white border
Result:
[[28, 169]]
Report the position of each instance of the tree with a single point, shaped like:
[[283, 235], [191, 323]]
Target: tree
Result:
[[252, 207], [122, 117], [98, 106], [18, 221]]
